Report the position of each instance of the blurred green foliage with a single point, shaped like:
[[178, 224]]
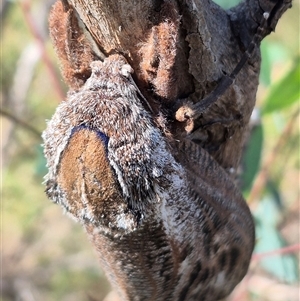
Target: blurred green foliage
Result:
[[278, 102], [252, 158], [284, 93], [10, 43], [45, 255], [267, 218], [50, 255]]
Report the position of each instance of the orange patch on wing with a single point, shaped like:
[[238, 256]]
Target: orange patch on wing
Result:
[[85, 174]]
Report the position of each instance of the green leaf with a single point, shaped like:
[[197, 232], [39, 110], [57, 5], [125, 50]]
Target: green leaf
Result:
[[283, 266], [252, 157], [271, 53], [266, 63], [284, 93]]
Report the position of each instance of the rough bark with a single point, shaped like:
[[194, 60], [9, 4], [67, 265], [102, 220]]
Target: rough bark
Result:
[[181, 50], [167, 221]]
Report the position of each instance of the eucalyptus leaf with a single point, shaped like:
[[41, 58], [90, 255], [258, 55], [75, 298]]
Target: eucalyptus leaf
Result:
[[283, 266], [284, 93], [252, 157], [266, 62], [272, 53]]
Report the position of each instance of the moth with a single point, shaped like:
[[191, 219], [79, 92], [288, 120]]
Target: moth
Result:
[[167, 221], [166, 226]]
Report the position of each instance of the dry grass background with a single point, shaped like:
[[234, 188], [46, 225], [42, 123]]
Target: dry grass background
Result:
[[45, 255]]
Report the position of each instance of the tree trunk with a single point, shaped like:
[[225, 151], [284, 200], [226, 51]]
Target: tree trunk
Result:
[[176, 228], [180, 50]]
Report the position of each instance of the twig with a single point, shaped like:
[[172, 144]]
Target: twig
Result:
[[262, 177], [20, 122], [40, 41], [242, 291], [285, 250]]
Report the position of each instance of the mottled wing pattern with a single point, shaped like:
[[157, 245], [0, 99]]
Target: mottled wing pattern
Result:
[[166, 219]]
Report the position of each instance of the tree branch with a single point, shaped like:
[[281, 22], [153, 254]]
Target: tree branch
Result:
[[20, 122]]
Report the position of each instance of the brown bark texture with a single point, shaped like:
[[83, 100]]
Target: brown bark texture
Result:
[[180, 50], [165, 217]]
